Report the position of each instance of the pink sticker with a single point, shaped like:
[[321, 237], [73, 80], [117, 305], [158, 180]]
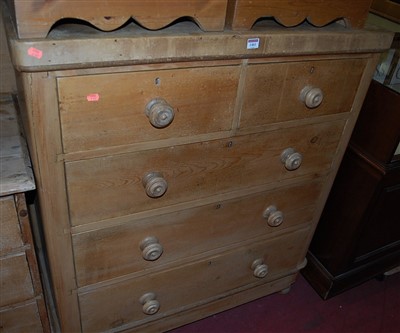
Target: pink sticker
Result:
[[93, 97], [36, 53]]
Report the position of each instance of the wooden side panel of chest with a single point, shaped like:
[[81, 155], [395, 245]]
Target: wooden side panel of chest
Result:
[[242, 14]]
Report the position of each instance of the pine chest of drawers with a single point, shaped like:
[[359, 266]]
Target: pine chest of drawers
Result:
[[183, 173]]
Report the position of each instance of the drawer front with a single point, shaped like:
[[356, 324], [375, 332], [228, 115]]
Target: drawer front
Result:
[[21, 319], [16, 284], [10, 235], [112, 186], [174, 289], [273, 92], [110, 110], [108, 253]]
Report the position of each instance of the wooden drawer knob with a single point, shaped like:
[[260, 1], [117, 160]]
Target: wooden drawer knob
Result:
[[274, 216], [291, 159], [312, 97], [150, 304], [151, 248], [260, 269], [155, 184], [159, 112]]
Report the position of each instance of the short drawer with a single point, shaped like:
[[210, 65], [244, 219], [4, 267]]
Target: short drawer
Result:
[[278, 92], [112, 252], [16, 283], [10, 235], [116, 109], [183, 287], [21, 319], [108, 187]]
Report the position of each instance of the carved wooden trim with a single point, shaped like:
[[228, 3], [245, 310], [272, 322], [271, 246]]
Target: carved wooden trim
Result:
[[34, 18], [242, 14]]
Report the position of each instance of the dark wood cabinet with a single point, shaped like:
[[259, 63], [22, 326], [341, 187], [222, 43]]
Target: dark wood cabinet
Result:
[[358, 236]]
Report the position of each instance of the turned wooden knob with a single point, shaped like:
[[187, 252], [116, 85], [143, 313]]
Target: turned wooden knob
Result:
[[159, 112], [260, 269], [273, 215], [150, 304], [312, 97], [155, 184], [151, 248], [291, 159]]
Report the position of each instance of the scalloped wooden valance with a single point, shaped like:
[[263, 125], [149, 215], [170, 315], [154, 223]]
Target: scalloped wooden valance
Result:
[[34, 18], [242, 14]]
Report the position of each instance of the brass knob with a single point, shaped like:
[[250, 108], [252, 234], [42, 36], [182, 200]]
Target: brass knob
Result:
[[311, 96], [159, 112], [150, 304], [151, 248], [155, 184], [291, 159], [273, 215], [260, 269]]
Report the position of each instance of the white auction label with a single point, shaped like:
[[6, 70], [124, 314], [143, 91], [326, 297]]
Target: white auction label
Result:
[[253, 43]]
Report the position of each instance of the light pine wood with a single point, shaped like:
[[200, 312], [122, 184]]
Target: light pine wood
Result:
[[345, 138], [272, 91], [45, 140], [34, 18], [239, 296], [386, 8], [181, 43], [202, 98], [194, 171], [82, 188], [118, 304], [242, 14], [112, 252]]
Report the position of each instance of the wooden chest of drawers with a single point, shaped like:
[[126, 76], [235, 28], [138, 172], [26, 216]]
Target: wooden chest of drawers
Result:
[[242, 14], [183, 173], [22, 303]]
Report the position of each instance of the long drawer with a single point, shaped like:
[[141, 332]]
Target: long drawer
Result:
[[103, 188], [107, 110], [115, 251], [182, 287]]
